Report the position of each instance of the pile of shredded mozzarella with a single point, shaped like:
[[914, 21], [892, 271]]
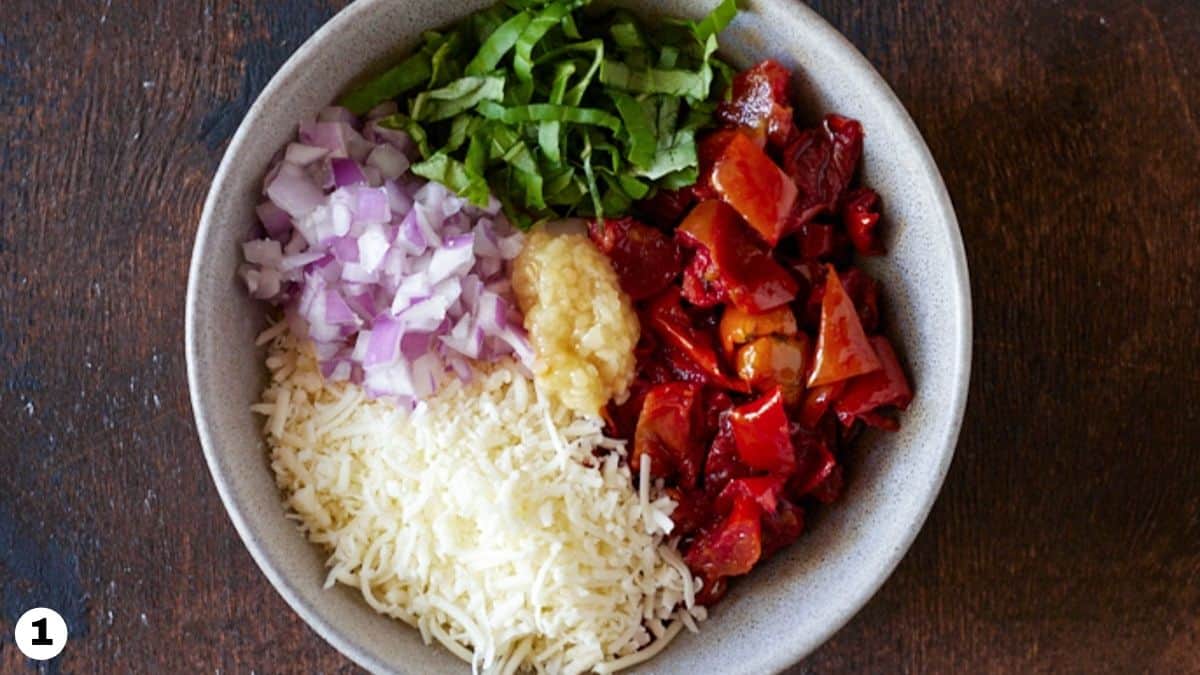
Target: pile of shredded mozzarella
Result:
[[483, 517]]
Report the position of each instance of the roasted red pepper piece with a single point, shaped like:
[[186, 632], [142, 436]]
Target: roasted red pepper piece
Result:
[[775, 361], [729, 548], [831, 488], [693, 510], [762, 490], [821, 163], [666, 433], [667, 207], [817, 402], [738, 326], [645, 259], [722, 463], [708, 150], [716, 404], [755, 187], [860, 213], [781, 528], [702, 285], [814, 461], [866, 393], [822, 242], [666, 317], [864, 292], [760, 430], [843, 350], [760, 100], [748, 274]]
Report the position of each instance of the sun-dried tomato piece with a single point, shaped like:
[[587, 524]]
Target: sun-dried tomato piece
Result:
[[822, 242], [693, 510], [864, 293], [821, 163], [762, 490], [667, 433], [831, 488], [666, 208], [722, 463], [702, 285], [813, 460], [716, 403], [645, 260], [729, 548], [860, 214], [781, 528], [760, 100]]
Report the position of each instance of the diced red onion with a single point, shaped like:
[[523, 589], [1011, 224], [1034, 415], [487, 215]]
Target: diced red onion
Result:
[[396, 280], [398, 202], [344, 249], [384, 342], [303, 155], [410, 236], [294, 192], [337, 312], [377, 133], [372, 247], [346, 172], [391, 162], [336, 113], [274, 220], [371, 206]]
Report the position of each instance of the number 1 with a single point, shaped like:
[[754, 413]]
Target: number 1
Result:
[[41, 640]]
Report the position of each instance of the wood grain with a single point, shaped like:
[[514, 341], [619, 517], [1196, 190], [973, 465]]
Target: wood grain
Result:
[[1067, 538]]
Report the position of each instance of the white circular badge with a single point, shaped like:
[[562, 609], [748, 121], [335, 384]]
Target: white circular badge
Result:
[[41, 634]]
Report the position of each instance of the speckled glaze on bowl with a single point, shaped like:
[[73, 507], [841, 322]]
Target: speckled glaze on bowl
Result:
[[792, 603]]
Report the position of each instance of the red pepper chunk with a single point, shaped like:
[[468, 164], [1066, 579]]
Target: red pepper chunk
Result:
[[743, 269], [760, 430], [722, 464], [860, 213], [667, 433], [665, 316], [817, 402], [762, 490], [645, 259], [843, 350], [749, 181], [866, 393], [781, 528], [814, 462], [759, 100], [731, 547]]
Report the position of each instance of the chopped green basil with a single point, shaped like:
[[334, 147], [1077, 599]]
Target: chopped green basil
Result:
[[556, 111]]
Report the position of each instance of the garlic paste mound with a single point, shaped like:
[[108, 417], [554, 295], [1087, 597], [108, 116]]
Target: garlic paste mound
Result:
[[582, 326]]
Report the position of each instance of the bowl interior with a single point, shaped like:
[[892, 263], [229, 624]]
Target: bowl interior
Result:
[[795, 601]]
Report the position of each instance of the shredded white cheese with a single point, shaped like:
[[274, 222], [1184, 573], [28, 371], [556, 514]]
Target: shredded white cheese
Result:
[[483, 518]]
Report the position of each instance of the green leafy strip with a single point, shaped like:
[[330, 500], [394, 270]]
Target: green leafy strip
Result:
[[555, 109]]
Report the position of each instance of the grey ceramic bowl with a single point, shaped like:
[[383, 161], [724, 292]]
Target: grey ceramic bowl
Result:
[[791, 604]]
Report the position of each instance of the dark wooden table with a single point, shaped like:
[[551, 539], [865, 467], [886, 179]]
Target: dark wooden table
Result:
[[1067, 537]]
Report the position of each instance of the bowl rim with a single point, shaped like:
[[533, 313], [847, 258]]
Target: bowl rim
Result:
[[778, 659]]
